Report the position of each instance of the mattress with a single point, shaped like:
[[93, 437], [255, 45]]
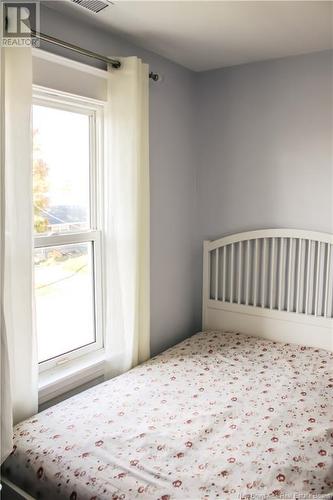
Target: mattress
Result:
[[221, 415]]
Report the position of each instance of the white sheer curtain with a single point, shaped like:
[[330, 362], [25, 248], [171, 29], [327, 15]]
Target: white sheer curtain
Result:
[[127, 218], [19, 393]]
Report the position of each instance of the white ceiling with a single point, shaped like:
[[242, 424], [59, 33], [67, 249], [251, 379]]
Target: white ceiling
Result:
[[203, 35]]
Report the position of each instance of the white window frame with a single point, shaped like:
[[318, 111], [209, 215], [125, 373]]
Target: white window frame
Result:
[[95, 110]]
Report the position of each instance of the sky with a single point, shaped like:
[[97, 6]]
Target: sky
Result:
[[63, 140]]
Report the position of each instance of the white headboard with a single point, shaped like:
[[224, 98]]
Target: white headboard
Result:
[[273, 283]]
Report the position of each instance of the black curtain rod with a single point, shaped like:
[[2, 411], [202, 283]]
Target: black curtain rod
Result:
[[74, 48]]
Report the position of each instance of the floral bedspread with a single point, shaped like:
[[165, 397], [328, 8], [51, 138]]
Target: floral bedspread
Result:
[[221, 415]]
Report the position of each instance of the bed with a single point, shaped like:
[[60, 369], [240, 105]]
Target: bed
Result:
[[223, 414]]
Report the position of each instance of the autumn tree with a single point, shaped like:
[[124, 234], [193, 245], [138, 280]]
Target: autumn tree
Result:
[[40, 187]]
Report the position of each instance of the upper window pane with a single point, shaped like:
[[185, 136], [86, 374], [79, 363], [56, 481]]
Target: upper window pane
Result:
[[61, 170]]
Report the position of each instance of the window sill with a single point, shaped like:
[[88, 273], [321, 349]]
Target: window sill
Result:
[[59, 380]]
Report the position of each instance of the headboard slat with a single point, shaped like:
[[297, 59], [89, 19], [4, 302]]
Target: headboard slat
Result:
[[240, 270], [256, 271], [327, 279], [224, 286], [299, 276]]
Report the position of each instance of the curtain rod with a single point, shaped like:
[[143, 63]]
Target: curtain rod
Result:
[[74, 48]]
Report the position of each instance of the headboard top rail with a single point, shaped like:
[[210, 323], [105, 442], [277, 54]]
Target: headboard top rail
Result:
[[270, 233]]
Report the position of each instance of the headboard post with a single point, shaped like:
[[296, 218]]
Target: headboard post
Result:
[[205, 281]]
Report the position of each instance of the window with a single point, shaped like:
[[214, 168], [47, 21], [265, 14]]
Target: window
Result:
[[67, 227]]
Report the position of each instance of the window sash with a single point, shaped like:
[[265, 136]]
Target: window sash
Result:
[[66, 239], [95, 114], [93, 237]]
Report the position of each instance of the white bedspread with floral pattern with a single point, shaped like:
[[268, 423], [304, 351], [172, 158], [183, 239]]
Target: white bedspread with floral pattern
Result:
[[220, 415]]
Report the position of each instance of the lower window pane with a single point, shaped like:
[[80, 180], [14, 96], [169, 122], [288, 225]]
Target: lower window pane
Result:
[[64, 294]]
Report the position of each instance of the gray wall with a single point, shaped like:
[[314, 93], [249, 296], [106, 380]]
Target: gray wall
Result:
[[265, 147], [172, 175]]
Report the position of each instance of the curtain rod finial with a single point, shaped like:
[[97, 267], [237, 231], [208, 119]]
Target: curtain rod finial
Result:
[[155, 77]]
